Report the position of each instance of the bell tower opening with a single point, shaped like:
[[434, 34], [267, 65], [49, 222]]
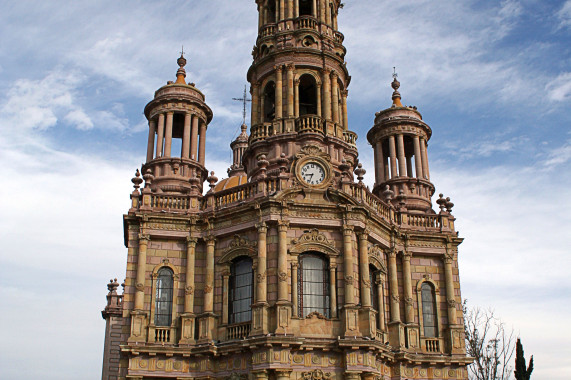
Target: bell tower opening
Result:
[[305, 8], [269, 102], [271, 11], [307, 95]]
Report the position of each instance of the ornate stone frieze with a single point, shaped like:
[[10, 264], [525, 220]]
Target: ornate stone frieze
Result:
[[312, 150], [241, 242], [316, 375]]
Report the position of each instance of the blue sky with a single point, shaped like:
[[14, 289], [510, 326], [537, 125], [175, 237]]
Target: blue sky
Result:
[[492, 79]]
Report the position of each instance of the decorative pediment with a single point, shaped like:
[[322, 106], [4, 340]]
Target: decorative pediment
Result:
[[239, 246], [313, 240], [377, 258], [313, 150], [241, 242]]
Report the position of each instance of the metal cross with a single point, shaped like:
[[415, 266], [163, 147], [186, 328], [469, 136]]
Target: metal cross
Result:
[[395, 75], [245, 100], [182, 51]]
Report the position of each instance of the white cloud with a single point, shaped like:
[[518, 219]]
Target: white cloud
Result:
[[564, 15], [80, 119], [559, 156], [559, 89]]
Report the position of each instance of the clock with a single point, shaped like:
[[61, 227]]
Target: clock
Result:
[[313, 173]]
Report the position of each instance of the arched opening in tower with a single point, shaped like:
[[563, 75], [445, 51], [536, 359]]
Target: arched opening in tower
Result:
[[305, 8], [269, 108], [307, 95], [271, 9]]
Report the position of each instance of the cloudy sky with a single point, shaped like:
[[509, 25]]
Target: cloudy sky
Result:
[[492, 79]]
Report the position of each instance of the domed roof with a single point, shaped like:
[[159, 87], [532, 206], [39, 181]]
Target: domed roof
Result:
[[228, 183]]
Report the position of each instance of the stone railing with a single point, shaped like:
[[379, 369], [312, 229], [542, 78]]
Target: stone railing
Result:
[[236, 194], [365, 196], [431, 345], [261, 131], [162, 335], [424, 220], [309, 124], [350, 138], [267, 30], [238, 331], [170, 202], [339, 37], [306, 22]]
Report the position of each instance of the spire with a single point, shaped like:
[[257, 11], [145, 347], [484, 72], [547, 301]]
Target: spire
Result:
[[396, 94], [181, 72]]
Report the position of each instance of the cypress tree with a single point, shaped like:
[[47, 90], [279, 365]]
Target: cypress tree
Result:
[[521, 372]]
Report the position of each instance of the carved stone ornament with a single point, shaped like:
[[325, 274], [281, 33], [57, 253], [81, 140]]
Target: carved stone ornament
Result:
[[376, 254], [451, 303], [366, 282], [189, 290], [312, 150], [395, 298], [316, 375], [207, 289], [261, 277], [312, 236], [315, 314], [408, 301], [282, 276], [140, 287], [241, 242], [349, 279]]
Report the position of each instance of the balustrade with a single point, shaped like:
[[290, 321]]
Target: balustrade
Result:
[[423, 220], [268, 30], [306, 22], [431, 345], [238, 331], [163, 334], [261, 131], [309, 124], [350, 138], [170, 202], [339, 37]]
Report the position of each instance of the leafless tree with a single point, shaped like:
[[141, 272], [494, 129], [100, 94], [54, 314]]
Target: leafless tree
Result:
[[489, 343]]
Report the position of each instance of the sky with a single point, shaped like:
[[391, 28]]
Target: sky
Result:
[[492, 79]]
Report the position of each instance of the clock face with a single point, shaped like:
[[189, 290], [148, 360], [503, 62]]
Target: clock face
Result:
[[313, 173]]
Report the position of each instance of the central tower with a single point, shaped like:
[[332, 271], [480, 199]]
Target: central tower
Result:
[[299, 84]]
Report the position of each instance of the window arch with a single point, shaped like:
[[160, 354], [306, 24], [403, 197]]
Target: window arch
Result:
[[313, 285], [241, 290], [164, 297], [307, 95], [269, 102], [429, 316]]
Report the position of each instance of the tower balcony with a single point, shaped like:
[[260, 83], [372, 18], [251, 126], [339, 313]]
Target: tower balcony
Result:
[[310, 124], [306, 22]]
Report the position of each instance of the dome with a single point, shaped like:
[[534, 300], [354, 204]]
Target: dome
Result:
[[228, 183]]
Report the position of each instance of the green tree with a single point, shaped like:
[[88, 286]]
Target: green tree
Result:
[[521, 372]]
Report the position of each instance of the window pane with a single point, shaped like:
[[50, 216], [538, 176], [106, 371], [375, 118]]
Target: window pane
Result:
[[240, 294], [163, 297], [314, 285], [429, 311]]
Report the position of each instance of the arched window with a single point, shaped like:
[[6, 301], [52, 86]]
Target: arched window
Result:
[[374, 291], [269, 102], [241, 290], [313, 285], [429, 311], [163, 298], [307, 95], [305, 7]]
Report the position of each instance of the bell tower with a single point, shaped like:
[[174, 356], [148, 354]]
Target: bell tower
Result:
[[299, 85]]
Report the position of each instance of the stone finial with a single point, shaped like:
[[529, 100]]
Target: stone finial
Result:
[[388, 194], [212, 179], [360, 172], [396, 94], [449, 205], [441, 202], [282, 161], [401, 199], [137, 180], [112, 286], [344, 167], [148, 177], [181, 72]]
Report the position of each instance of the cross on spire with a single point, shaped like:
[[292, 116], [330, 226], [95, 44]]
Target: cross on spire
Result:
[[245, 100], [395, 75], [182, 50]]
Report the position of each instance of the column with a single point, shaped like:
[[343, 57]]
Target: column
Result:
[[381, 301], [333, 289], [327, 12], [407, 284], [294, 289], [296, 97], [190, 264], [348, 265], [260, 15], [344, 95], [141, 271], [209, 281], [283, 374], [394, 287], [194, 138], [450, 296], [400, 152], [290, 9], [290, 91], [202, 147], [379, 163], [409, 167], [261, 375], [160, 135], [417, 158], [327, 94], [282, 261], [279, 92], [282, 9], [424, 154], [261, 283], [151, 140], [393, 157], [322, 11], [296, 8], [364, 269], [186, 136], [314, 8], [319, 105], [255, 92], [335, 96], [168, 134]]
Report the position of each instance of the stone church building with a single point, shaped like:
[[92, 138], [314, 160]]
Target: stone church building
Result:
[[291, 268]]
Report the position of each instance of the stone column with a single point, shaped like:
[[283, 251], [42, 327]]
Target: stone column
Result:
[[282, 261], [202, 146], [407, 284], [282, 9], [417, 158], [364, 269], [450, 294], [290, 91], [319, 105], [327, 13], [194, 138], [190, 264], [314, 9], [260, 15], [261, 375], [381, 301], [279, 92], [141, 271], [160, 135], [151, 140], [424, 154], [348, 265], [394, 287], [168, 134], [393, 157], [290, 9], [186, 136], [209, 280], [294, 289], [333, 289], [379, 163], [255, 92], [344, 95], [261, 283], [335, 97], [283, 374], [296, 8], [326, 94], [322, 12], [296, 97], [402, 159]]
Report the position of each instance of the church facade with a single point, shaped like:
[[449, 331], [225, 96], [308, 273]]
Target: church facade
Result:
[[290, 268]]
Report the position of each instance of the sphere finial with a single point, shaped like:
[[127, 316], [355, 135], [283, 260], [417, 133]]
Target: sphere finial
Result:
[[181, 72], [396, 85]]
